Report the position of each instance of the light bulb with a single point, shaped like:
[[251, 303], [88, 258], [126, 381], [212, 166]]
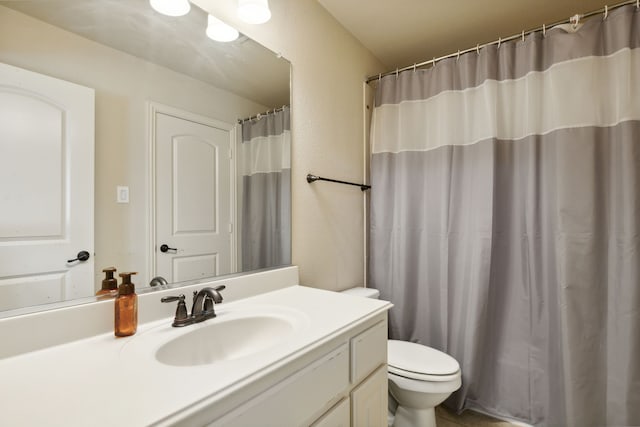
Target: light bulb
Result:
[[219, 31], [171, 7], [254, 11]]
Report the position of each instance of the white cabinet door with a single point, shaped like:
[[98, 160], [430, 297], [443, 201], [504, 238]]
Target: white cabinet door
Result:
[[193, 188], [46, 188], [338, 416], [369, 400]]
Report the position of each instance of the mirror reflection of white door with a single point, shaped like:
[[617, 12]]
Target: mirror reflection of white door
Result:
[[46, 188], [193, 195]]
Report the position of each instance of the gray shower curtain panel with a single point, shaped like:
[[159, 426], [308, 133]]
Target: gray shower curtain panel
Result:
[[265, 165], [505, 220]]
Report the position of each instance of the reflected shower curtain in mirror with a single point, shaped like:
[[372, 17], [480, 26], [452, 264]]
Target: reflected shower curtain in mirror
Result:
[[265, 165], [505, 220]]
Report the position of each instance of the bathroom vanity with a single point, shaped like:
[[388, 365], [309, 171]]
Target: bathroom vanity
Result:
[[291, 356]]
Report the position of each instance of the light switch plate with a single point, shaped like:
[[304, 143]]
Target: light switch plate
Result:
[[122, 194]]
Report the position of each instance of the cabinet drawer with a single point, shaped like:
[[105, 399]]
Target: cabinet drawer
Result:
[[294, 400], [368, 351]]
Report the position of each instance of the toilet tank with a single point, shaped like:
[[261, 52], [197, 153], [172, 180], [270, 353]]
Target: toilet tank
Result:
[[363, 292]]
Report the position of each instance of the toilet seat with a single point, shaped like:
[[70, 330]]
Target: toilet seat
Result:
[[423, 377], [419, 362]]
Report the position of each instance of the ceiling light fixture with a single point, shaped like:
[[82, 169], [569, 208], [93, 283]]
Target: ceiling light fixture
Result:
[[171, 7], [254, 11], [219, 31]]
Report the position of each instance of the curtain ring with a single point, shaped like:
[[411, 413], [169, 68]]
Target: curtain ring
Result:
[[606, 12], [414, 67], [396, 74], [379, 77], [478, 49], [433, 62], [458, 56], [523, 36], [544, 29], [499, 42], [575, 21]]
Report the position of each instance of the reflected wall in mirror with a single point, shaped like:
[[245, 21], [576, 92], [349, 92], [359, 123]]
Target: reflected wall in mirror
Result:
[[123, 134]]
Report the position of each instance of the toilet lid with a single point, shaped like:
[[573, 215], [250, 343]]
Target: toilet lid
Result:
[[419, 359]]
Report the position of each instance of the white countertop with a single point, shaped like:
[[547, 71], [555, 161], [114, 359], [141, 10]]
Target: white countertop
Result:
[[108, 381]]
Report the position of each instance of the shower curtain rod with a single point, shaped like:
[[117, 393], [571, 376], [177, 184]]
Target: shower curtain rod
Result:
[[575, 19], [259, 115], [312, 178]]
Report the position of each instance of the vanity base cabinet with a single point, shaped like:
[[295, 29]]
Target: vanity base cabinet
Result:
[[345, 385]]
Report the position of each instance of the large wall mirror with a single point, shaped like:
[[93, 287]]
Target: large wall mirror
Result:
[[133, 137]]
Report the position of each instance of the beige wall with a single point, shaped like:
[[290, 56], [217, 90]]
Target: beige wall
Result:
[[327, 120], [123, 85]]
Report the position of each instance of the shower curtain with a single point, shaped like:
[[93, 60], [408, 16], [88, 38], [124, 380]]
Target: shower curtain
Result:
[[505, 220], [265, 166]]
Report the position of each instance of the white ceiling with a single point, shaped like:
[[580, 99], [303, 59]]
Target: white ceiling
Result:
[[404, 32], [243, 66]]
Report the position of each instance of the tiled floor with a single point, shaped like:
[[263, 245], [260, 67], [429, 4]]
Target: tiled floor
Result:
[[446, 418]]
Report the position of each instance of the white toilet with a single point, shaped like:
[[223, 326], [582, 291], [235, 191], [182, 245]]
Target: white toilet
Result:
[[420, 377]]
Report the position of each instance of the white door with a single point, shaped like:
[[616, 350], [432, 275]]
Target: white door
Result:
[[46, 188], [193, 194]]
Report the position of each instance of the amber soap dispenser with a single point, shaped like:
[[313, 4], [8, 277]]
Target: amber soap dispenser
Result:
[[126, 316], [109, 284]]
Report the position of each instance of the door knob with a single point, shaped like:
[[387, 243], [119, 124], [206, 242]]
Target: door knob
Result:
[[82, 256], [166, 248]]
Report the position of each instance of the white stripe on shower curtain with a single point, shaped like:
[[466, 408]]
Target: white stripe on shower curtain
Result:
[[505, 221], [266, 154], [495, 109]]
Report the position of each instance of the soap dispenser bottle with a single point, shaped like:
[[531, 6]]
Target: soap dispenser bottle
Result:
[[109, 284], [126, 315]]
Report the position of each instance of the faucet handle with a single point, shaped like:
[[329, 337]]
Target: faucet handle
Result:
[[172, 298], [182, 317]]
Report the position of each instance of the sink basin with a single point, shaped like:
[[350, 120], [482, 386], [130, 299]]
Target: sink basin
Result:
[[222, 339]]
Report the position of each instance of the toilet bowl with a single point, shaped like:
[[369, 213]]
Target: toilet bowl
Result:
[[420, 377]]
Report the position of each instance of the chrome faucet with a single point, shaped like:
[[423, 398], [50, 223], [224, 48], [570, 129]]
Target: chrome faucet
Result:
[[202, 308]]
